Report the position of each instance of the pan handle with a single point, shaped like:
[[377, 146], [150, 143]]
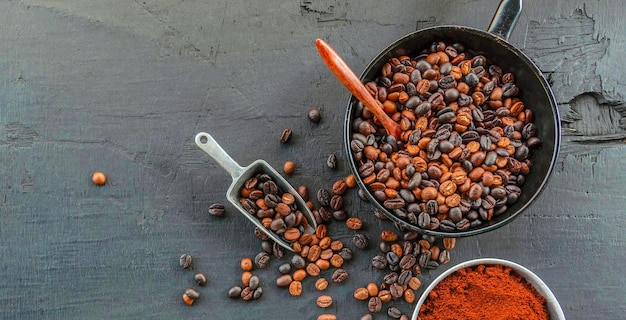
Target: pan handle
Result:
[[505, 18], [206, 142]]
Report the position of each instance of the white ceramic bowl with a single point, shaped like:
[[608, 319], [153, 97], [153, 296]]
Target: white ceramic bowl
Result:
[[553, 305]]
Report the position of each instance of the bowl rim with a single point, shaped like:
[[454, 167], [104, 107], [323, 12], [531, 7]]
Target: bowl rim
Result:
[[552, 304], [522, 57]]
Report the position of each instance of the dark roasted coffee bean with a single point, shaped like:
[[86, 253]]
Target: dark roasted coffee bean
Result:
[[444, 257], [373, 305], [390, 278], [216, 209], [314, 115], [396, 290], [331, 161], [247, 294], [336, 202], [285, 268], [339, 275], [394, 313], [345, 253], [192, 293], [200, 279], [285, 136], [323, 197], [234, 292], [395, 203], [185, 261], [258, 292], [379, 262], [360, 241], [254, 282], [262, 260], [423, 220]]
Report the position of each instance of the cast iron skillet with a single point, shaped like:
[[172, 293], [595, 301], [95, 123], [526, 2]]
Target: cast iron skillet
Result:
[[534, 91]]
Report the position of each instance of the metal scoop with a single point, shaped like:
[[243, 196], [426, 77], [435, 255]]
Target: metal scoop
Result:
[[240, 174]]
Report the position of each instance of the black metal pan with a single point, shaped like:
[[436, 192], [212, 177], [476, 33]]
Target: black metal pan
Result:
[[534, 91]]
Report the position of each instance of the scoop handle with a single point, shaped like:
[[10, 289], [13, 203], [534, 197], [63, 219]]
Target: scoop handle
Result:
[[206, 142], [347, 77], [505, 18]]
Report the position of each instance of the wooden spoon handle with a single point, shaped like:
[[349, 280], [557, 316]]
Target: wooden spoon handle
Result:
[[345, 75]]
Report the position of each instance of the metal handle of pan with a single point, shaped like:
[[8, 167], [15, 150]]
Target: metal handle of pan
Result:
[[505, 18], [206, 142]]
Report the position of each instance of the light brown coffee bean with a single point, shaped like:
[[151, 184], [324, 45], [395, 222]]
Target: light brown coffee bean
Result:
[[324, 301], [295, 288], [354, 223]]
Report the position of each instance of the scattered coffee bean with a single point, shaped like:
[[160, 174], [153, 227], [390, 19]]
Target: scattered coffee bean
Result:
[[324, 301], [99, 178], [331, 161], [262, 260], [216, 209], [289, 167], [185, 261], [234, 292], [285, 136], [314, 115], [360, 241], [192, 293], [200, 279]]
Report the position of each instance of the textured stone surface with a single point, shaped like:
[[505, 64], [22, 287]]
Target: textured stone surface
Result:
[[123, 86]]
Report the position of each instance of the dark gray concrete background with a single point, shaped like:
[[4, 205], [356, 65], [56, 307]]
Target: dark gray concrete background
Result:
[[123, 86]]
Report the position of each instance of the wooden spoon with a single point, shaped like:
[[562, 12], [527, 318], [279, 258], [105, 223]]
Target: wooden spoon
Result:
[[345, 75]]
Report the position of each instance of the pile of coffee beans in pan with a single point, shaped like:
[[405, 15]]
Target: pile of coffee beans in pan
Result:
[[466, 144]]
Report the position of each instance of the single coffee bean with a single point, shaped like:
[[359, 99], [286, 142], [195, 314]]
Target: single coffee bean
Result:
[[323, 196], [216, 209], [295, 288], [247, 294], [339, 275], [234, 292], [394, 313], [258, 292], [185, 261], [324, 301], [379, 262], [360, 241], [331, 161], [361, 294], [192, 293], [262, 260], [374, 305], [200, 279], [314, 115], [285, 136], [254, 282], [354, 223]]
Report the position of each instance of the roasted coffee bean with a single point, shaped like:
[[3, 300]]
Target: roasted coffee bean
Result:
[[394, 313], [285, 136], [258, 292], [314, 115], [339, 275], [331, 161], [379, 262], [392, 258], [234, 292], [192, 293], [324, 301], [374, 305], [336, 202], [200, 279], [354, 223], [323, 197], [216, 209], [345, 253], [360, 241], [262, 260], [185, 261]]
